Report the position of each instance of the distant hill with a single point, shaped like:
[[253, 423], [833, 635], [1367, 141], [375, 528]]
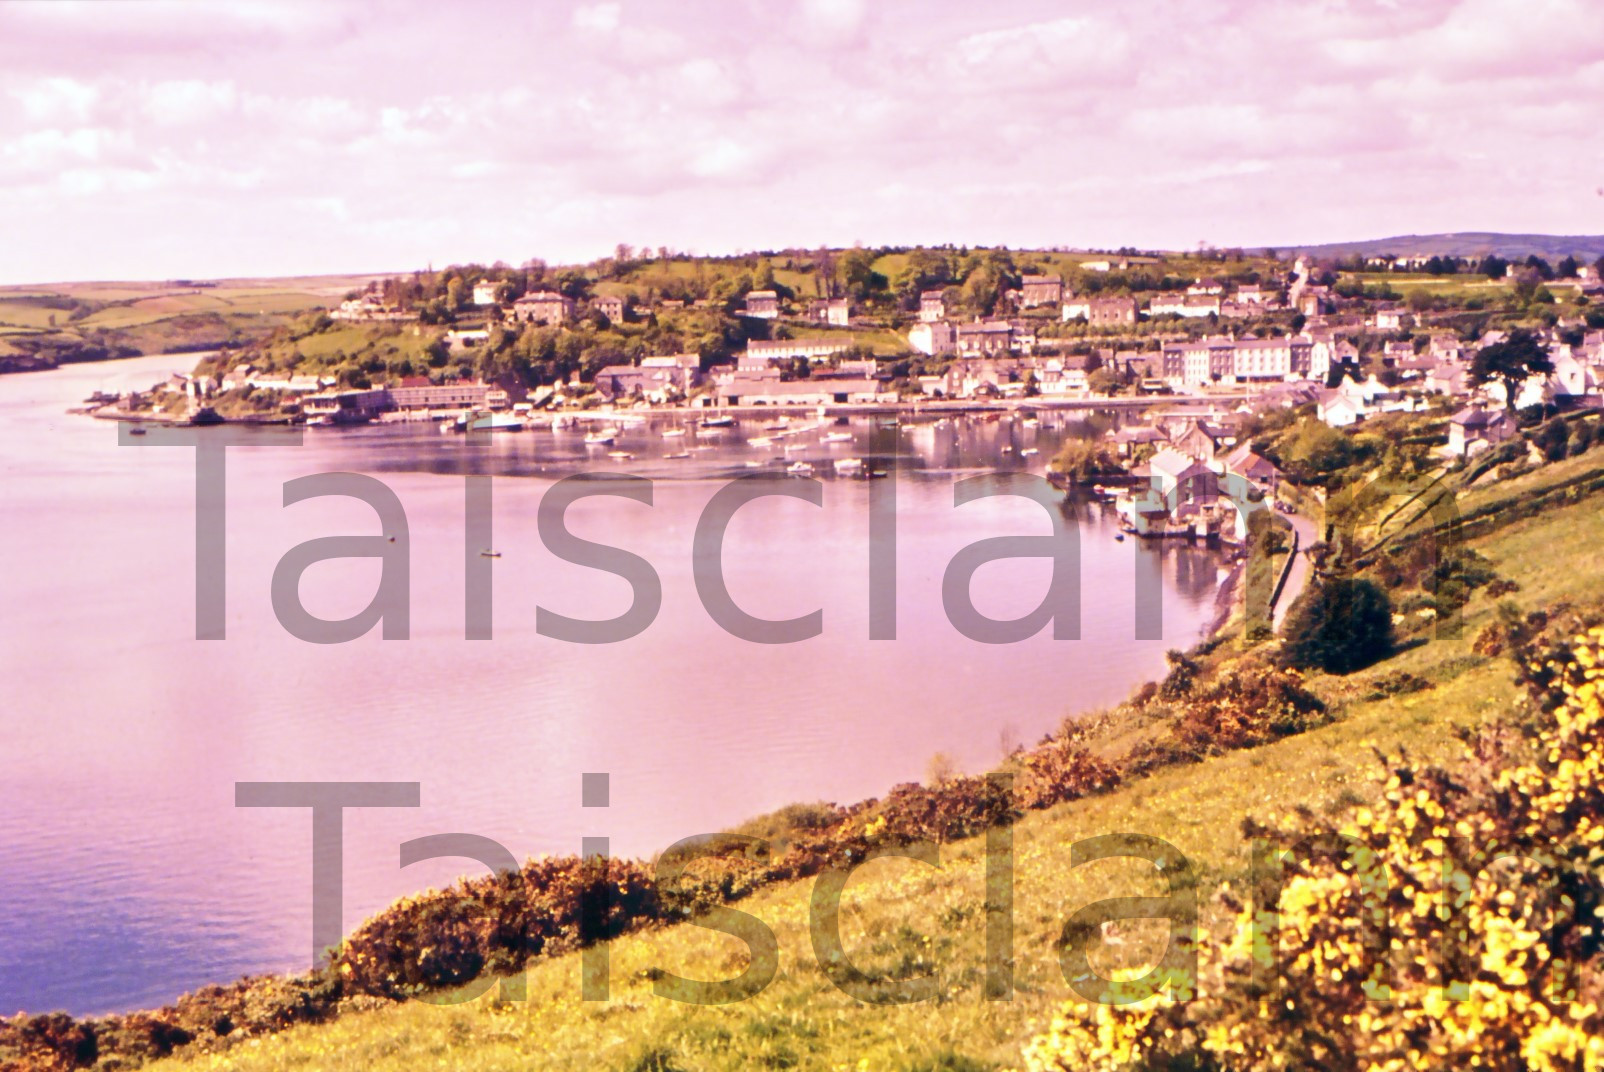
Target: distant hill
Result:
[[1467, 244]]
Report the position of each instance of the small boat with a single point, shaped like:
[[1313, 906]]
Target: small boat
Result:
[[489, 554], [1032, 422], [849, 466], [620, 455], [794, 446], [760, 441], [673, 432], [497, 422], [800, 469], [1029, 451], [1120, 536], [678, 454], [602, 438], [137, 429], [718, 422], [838, 437]]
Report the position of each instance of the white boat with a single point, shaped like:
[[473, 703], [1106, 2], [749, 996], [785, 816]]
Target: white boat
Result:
[[678, 454], [800, 469], [1032, 422], [496, 422], [620, 455], [849, 466], [673, 432], [718, 422], [760, 441], [1029, 451], [601, 438], [838, 437], [794, 446]]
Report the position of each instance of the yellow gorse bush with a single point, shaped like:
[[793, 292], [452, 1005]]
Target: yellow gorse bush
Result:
[[1457, 925]]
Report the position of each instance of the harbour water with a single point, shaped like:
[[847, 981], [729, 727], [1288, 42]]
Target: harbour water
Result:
[[129, 875]]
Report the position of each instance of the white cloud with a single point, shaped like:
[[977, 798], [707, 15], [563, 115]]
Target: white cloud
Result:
[[181, 103], [598, 18]]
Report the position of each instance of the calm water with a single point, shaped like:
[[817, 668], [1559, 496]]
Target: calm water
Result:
[[127, 874]]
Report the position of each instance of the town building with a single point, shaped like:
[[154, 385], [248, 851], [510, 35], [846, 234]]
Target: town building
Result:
[[1474, 429], [933, 337], [611, 306], [932, 306], [762, 305], [1037, 290], [543, 307], [765, 350], [484, 292], [835, 312], [985, 338], [1100, 312]]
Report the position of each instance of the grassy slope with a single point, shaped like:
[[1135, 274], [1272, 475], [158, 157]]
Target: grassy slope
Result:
[[902, 913]]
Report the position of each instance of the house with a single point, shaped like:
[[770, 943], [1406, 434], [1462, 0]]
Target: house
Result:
[[1256, 469], [933, 337], [1206, 286], [1199, 439], [1192, 306], [1099, 311], [830, 311], [1342, 405], [766, 350], [1448, 378], [1392, 318], [1253, 294], [1134, 438], [1036, 290], [484, 292], [762, 305], [1198, 362], [1178, 480], [368, 306], [932, 306], [1097, 266], [1474, 429], [662, 381], [417, 393], [742, 391], [1259, 360], [984, 377], [543, 307], [1313, 301], [611, 306], [985, 338]]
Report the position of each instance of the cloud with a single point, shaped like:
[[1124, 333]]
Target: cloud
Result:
[[598, 18], [317, 136]]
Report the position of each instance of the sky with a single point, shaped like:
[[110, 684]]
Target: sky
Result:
[[155, 139]]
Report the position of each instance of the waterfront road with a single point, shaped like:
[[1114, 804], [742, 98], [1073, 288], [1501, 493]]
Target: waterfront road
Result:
[[1298, 575]]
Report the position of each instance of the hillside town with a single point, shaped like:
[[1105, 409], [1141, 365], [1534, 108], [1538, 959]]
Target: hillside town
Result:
[[1190, 362]]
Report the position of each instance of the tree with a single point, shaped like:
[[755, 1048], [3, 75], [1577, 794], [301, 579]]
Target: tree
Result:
[[1494, 266], [1341, 624], [1511, 363], [1566, 269]]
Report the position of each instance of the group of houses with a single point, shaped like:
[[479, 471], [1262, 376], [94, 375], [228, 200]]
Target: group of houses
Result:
[[1191, 476]]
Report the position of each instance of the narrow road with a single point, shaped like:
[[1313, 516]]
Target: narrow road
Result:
[[1298, 575]]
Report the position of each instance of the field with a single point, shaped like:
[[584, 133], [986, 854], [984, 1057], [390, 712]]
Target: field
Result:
[[904, 918], [63, 321]]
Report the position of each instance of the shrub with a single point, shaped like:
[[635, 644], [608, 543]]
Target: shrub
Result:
[[1340, 624], [1396, 943]]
